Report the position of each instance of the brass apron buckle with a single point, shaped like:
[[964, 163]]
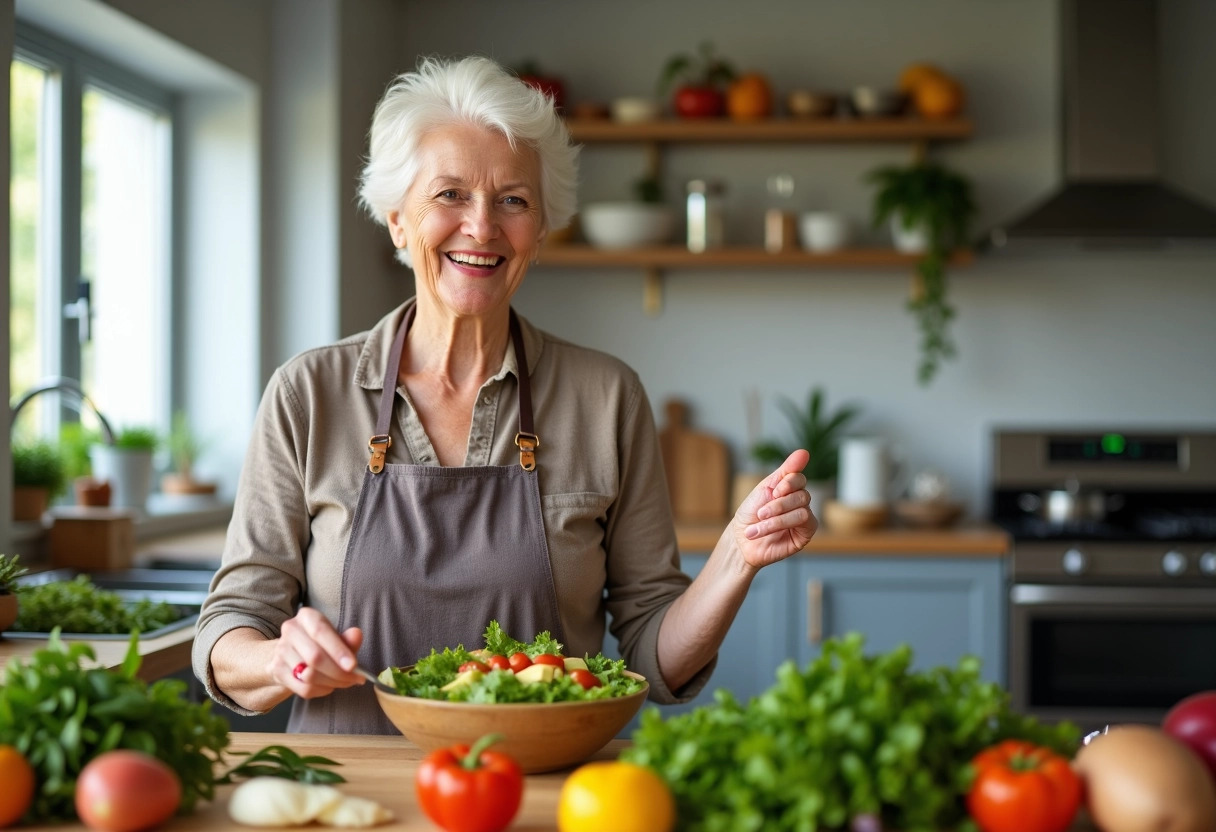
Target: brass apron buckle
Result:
[[378, 445], [527, 443]]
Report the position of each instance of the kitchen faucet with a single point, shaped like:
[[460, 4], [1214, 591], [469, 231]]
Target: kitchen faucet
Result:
[[61, 384]]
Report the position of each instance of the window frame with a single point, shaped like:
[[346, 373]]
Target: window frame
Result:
[[78, 68]]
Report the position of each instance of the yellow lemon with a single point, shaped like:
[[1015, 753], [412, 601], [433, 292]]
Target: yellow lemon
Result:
[[615, 797]]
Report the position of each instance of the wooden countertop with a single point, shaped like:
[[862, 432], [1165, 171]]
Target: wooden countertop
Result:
[[380, 768], [161, 656], [979, 540]]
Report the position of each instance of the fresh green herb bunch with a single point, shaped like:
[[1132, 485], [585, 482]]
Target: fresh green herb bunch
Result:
[[851, 735], [60, 714], [78, 606], [705, 68], [813, 429], [280, 761], [10, 571], [40, 465], [137, 439], [931, 195]]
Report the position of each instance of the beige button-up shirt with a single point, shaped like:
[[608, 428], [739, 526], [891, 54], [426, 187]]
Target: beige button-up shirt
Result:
[[607, 517]]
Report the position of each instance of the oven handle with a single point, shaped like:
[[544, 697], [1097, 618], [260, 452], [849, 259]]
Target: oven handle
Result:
[[1035, 594]]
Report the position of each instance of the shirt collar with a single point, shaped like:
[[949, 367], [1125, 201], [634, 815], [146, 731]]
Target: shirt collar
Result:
[[373, 359]]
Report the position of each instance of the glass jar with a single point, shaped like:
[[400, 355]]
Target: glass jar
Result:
[[706, 215]]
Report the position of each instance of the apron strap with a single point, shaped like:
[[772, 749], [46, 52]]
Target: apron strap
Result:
[[526, 440]]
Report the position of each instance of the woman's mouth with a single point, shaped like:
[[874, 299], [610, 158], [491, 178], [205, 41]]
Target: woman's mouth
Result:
[[475, 261]]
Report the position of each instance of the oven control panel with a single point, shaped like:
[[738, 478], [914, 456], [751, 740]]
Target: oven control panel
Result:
[[1095, 562]]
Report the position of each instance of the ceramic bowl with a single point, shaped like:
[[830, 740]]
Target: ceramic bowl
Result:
[[824, 231], [850, 519], [634, 110], [873, 102], [928, 514], [626, 224], [541, 737], [811, 104]]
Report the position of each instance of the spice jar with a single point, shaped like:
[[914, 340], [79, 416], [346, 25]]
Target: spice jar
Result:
[[706, 215]]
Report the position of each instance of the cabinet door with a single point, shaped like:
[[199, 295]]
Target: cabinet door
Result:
[[757, 642], [943, 608]]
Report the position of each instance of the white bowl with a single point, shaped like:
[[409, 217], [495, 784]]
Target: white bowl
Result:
[[824, 230], [627, 224], [632, 110]]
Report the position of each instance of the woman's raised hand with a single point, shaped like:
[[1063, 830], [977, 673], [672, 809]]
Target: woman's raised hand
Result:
[[775, 519], [312, 659]]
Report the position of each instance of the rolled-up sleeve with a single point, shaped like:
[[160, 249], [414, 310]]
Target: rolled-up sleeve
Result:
[[261, 576]]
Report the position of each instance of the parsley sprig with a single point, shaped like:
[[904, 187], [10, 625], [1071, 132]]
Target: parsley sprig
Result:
[[281, 761]]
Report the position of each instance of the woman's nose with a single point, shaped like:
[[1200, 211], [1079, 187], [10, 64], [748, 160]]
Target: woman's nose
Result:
[[480, 222]]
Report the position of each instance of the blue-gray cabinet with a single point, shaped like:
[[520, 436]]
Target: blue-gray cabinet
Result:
[[943, 607]]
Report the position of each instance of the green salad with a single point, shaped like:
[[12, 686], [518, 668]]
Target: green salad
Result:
[[508, 670]]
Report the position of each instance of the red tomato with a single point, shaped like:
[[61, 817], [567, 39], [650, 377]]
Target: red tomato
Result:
[[1193, 721], [586, 678], [126, 791], [1020, 787], [473, 665], [519, 661], [550, 659], [699, 102], [500, 663]]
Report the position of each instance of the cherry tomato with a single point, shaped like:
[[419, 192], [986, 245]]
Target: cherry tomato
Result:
[[550, 659], [586, 678], [499, 663], [1020, 787], [519, 661], [474, 665]]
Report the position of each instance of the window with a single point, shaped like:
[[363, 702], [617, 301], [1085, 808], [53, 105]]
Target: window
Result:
[[91, 197]]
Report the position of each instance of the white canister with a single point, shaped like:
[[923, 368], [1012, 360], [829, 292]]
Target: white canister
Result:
[[865, 472]]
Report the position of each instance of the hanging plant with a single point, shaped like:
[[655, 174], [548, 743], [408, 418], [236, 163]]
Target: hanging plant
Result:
[[929, 196]]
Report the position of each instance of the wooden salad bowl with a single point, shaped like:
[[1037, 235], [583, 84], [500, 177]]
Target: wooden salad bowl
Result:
[[539, 736]]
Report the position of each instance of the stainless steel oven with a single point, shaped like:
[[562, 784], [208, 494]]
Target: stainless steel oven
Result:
[[1111, 618]]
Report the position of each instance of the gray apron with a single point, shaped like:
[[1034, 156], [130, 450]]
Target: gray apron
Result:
[[435, 554]]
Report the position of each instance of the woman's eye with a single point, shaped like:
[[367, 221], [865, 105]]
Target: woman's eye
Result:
[[449, 194], [515, 200]]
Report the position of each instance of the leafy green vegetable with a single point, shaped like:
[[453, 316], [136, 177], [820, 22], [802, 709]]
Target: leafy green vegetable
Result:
[[281, 761], [426, 678], [850, 735], [10, 571], [60, 712], [77, 606]]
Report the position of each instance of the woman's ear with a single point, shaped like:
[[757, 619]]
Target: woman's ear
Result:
[[395, 229]]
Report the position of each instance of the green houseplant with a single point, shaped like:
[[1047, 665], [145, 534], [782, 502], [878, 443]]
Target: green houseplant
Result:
[[38, 475], [184, 447], [127, 464], [10, 571], [929, 197], [817, 430]]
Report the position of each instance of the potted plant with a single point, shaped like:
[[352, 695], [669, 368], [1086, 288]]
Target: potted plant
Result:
[[127, 464], [929, 208], [184, 449], [74, 442], [702, 79], [819, 432], [38, 475], [10, 571]]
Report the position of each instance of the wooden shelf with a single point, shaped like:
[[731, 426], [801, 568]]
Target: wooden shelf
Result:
[[773, 130], [668, 257]]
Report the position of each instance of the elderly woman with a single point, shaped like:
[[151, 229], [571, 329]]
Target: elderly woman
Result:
[[455, 464]]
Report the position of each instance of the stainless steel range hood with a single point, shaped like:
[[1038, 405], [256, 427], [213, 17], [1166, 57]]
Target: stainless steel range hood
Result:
[[1112, 191]]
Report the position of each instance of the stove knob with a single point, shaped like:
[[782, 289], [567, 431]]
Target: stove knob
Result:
[[1173, 563], [1207, 563], [1075, 562]]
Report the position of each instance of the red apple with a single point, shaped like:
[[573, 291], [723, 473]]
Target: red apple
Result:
[[699, 102], [1193, 721]]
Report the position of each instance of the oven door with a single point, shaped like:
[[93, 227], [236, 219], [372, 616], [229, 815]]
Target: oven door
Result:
[[1101, 655]]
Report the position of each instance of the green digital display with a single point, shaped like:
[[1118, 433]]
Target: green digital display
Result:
[[1114, 443], [1119, 448]]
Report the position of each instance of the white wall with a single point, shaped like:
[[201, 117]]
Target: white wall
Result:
[[1120, 338]]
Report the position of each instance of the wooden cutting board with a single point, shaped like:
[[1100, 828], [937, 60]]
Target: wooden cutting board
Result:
[[697, 465]]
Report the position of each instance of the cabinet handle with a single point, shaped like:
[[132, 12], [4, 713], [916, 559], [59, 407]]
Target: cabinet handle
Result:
[[814, 612]]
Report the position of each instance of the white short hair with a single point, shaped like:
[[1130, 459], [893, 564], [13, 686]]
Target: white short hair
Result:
[[477, 91]]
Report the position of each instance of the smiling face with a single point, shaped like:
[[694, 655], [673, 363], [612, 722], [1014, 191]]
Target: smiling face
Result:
[[472, 219]]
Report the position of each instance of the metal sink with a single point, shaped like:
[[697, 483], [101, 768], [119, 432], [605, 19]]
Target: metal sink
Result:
[[185, 589]]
